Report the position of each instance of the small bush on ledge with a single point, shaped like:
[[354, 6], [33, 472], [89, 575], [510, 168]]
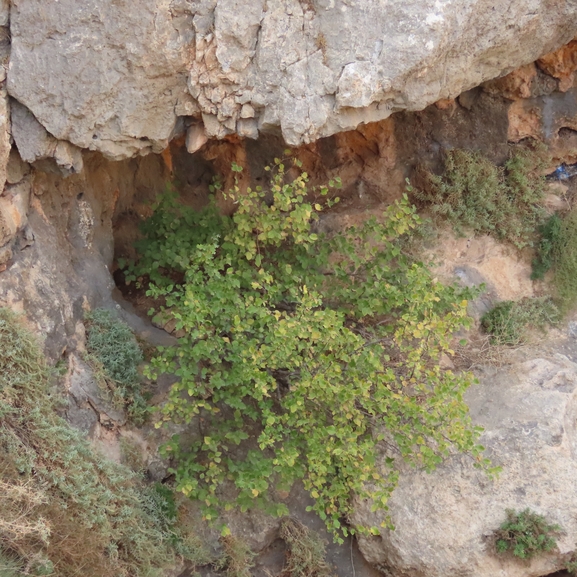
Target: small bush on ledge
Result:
[[475, 194], [508, 321], [558, 251], [526, 534], [115, 355]]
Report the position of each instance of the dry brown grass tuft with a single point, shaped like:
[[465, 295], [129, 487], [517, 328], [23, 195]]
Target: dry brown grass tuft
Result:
[[306, 551]]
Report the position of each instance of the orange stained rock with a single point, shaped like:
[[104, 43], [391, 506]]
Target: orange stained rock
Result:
[[515, 85], [167, 158], [561, 64], [524, 122], [445, 103]]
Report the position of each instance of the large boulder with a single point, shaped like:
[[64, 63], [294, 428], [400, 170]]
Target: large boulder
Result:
[[125, 76], [444, 521]]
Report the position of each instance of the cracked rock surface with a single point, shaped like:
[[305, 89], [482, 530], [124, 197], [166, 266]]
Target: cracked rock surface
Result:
[[124, 77], [444, 521]]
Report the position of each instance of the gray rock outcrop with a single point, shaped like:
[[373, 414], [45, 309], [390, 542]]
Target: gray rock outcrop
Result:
[[444, 521], [124, 77]]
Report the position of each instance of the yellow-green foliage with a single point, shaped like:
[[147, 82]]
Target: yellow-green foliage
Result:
[[475, 194], [64, 510], [303, 355]]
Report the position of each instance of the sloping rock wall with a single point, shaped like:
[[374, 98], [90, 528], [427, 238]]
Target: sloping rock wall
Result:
[[58, 265], [444, 521], [46, 266], [124, 77]]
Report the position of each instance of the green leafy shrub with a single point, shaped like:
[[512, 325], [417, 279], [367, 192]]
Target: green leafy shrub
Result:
[[303, 357], [64, 509], [473, 193], [565, 262], [526, 534], [551, 238], [115, 353], [306, 551], [508, 321]]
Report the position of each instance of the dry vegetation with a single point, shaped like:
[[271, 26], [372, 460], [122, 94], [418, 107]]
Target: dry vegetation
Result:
[[64, 510]]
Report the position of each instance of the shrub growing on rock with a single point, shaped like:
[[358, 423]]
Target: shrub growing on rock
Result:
[[306, 551], [473, 193], [564, 261], [508, 321], [526, 534], [303, 356], [551, 237], [115, 355]]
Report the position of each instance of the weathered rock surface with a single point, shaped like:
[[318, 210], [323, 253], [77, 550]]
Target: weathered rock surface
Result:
[[58, 235], [35, 143], [89, 403], [114, 71], [124, 77], [444, 520]]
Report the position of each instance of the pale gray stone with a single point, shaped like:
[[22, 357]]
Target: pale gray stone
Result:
[[4, 12], [359, 85], [444, 521], [103, 74], [68, 157], [35, 143], [16, 168], [247, 111], [196, 137], [115, 75], [31, 138], [247, 128], [213, 127]]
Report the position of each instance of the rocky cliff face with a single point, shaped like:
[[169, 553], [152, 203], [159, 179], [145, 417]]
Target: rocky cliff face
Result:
[[88, 89], [124, 77]]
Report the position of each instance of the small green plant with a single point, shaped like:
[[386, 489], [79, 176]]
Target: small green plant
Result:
[[10, 565], [303, 356], [508, 321], [116, 355], [558, 251], [526, 534], [475, 194], [565, 262], [571, 565], [551, 238], [306, 551], [131, 455]]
